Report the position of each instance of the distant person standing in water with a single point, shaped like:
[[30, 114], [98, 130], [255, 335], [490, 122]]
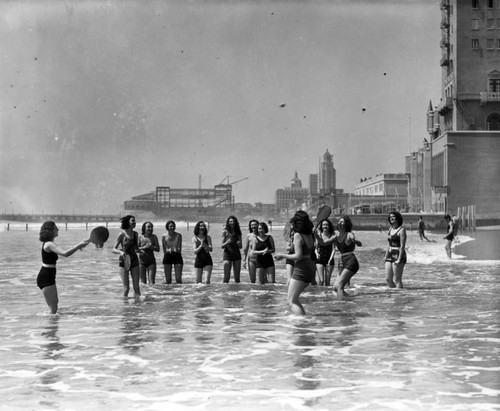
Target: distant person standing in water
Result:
[[148, 244], [231, 244], [202, 247], [304, 268], [127, 245], [289, 263], [324, 234], [421, 229], [345, 242], [46, 279], [395, 257], [262, 247], [172, 253], [456, 222], [250, 260], [450, 230]]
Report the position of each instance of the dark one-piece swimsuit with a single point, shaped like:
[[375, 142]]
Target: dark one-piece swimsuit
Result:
[[203, 258], [348, 258], [395, 244], [47, 275]]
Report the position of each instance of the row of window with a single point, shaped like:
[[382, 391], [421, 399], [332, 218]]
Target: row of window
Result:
[[490, 24], [489, 4], [491, 44]]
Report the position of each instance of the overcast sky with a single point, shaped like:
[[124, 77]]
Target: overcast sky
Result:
[[104, 100]]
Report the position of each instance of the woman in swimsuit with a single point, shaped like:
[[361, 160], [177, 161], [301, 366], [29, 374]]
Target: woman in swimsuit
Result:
[[289, 263], [127, 245], [346, 243], [202, 246], [172, 253], [252, 260], [262, 247], [148, 244], [324, 251], [450, 234], [304, 268], [46, 279], [231, 244], [395, 257]]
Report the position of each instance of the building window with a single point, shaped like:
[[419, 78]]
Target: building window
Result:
[[493, 122], [494, 85], [475, 44], [475, 24], [490, 24], [498, 43], [490, 4], [490, 44], [475, 4]]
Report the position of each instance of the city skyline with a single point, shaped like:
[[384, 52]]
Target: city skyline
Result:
[[104, 101]]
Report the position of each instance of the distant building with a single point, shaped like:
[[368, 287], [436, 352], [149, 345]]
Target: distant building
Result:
[[296, 181], [380, 194], [291, 198], [313, 184], [384, 185], [327, 175], [458, 166], [165, 198]]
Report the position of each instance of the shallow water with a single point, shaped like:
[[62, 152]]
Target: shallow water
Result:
[[433, 345]]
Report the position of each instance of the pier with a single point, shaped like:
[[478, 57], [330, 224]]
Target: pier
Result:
[[58, 218]]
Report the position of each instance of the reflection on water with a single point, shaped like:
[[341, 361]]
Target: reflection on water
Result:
[[52, 351], [432, 345], [306, 377], [53, 348]]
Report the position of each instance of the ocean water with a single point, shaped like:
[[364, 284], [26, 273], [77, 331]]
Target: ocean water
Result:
[[433, 346]]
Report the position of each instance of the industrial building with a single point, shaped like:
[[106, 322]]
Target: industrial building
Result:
[[164, 200]]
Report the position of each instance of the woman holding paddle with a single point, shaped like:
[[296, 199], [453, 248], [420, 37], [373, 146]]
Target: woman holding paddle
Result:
[[345, 242], [148, 244], [127, 245], [46, 279], [304, 268]]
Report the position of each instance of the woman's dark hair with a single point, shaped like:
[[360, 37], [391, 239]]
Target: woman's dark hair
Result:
[[125, 221], [144, 226], [250, 225], [330, 225], [197, 227], [447, 217], [397, 215], [237, 229], [347, 223], [301, 223], [47, 231], [170, 222], [264, 227]]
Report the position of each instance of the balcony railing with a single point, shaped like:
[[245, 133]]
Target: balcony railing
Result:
[[445, 61], [445, 105], [489, 97]]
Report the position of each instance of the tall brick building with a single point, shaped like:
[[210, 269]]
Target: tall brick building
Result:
[[459, 164]]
